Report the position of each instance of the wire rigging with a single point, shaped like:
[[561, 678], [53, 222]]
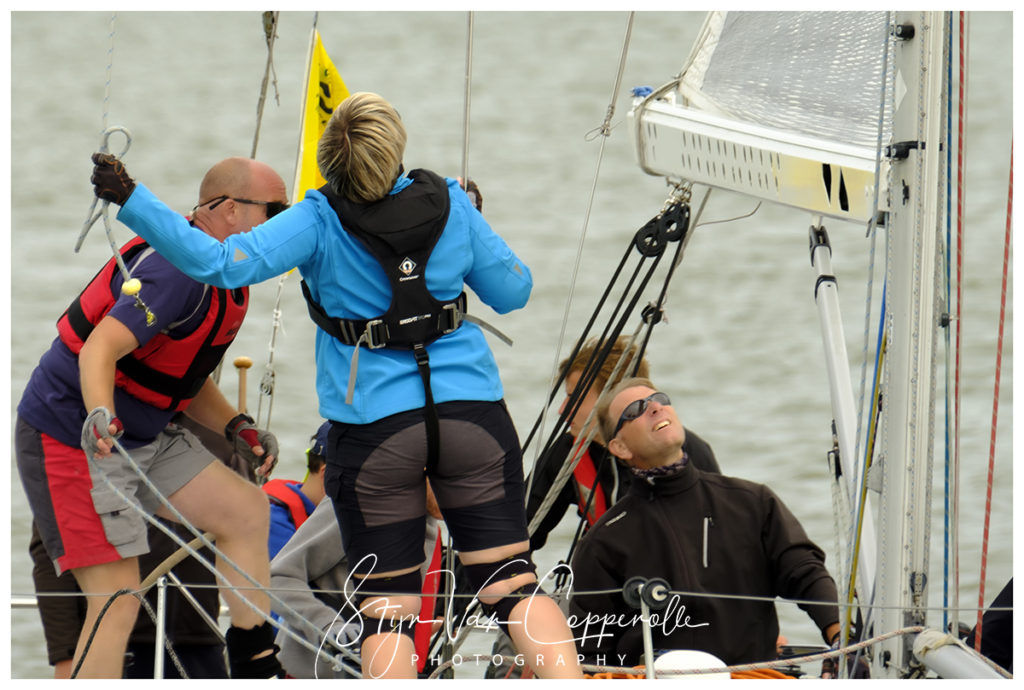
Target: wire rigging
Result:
[[606, 131]]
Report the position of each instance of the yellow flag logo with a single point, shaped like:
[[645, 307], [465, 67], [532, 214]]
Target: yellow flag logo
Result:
[[324, 91]]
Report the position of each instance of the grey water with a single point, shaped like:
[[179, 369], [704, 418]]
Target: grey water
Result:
[[740, 350]]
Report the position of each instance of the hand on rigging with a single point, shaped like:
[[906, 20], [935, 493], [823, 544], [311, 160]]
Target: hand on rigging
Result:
[[110, 179], [473, 192], [98, 430]]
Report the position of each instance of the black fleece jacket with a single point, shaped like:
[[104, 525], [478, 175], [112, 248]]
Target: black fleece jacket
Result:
[[704, 533]]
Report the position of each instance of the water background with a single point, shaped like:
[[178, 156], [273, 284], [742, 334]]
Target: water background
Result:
[[740, 351]]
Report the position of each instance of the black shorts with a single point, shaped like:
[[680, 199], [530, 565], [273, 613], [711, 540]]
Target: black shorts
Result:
[[376, 478]]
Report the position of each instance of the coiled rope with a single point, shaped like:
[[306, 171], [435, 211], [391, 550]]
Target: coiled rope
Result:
[[130, 285]]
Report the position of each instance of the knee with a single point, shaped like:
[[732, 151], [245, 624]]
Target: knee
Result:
[[496, 579], [500, 589], [389, 605], [503, 584], [396, 596], [247, 515]]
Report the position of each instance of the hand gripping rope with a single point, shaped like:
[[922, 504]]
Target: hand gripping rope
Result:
[[130, 286]]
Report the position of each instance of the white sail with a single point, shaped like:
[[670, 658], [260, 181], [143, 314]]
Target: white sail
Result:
[[812, 73], [844, 115], [782, 106]]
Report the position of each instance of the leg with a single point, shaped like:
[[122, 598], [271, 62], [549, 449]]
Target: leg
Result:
[[105, 656], [237, 513], [537, 626], [389, 654], [375, 479], [61, 616], [78, 525], [479, 486]]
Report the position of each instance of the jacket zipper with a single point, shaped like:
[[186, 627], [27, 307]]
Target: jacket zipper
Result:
[[708, 522]]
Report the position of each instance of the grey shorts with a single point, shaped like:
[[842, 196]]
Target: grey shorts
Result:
[[85, 522]]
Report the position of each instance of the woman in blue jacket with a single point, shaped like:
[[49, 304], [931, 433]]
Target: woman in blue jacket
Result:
[[405, 376]]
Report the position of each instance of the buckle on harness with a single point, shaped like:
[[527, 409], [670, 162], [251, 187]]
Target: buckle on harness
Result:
[[376, 334], [454, 317]]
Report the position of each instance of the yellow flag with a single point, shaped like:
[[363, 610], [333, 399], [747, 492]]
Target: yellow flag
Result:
[[324, 91]]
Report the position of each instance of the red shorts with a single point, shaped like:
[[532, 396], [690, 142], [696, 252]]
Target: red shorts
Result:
[[81, 519]]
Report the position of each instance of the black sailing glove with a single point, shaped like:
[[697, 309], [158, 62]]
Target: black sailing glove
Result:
[[246, 438], [110, 179]]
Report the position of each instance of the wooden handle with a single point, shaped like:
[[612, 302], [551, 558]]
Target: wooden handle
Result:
[[242, 364]]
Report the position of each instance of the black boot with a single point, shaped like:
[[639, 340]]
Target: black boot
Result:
[[244, 643]]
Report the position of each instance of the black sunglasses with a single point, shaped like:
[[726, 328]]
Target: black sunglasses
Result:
[[273, 207], [637, 408]]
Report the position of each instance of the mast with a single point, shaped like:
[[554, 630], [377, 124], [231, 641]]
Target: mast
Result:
[[912, 323]]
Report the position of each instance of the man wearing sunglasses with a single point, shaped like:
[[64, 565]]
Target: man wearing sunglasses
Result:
[[125, 362], [596, 473], [702, 533]]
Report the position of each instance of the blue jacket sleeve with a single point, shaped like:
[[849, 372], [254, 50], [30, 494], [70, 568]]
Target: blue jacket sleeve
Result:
[[243, 259], [498, 277]]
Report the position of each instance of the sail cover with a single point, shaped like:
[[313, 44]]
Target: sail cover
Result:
[[814, 73]]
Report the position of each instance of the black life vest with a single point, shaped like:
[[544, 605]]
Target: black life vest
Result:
[[169, 370], [400, 232]]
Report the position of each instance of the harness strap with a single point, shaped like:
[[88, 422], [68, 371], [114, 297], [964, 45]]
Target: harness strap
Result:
[[352, 371], [429, 409], [488, 327], [375, 332]]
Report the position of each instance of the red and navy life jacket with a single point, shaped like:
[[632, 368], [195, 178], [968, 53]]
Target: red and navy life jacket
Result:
[[168, 371], [584, 476], [278, 489]]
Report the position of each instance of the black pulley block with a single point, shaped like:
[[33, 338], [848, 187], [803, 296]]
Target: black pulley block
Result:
[[631, 591]]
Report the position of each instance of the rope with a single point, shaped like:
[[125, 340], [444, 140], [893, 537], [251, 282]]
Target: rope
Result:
[[110, 68], [130, 286], [99, 619], [270, 33], [466, 100], [270, 30], [447, 648], [611, 332], [605, 130], [268, 380], [948, 575], [581, 443], [995, 405]]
